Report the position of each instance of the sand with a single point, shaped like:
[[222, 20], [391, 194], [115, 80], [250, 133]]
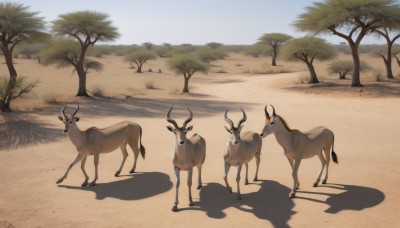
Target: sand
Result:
[[362, 190]]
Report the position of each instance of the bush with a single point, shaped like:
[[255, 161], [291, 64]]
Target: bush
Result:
[[98, 91], [52, 98], [11, 92]]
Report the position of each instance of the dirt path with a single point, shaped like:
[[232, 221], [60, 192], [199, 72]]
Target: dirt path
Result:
[[362, 189]]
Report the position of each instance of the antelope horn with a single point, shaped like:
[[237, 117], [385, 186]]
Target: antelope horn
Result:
[[227, 119], [169, 119], [273, 111], [243, 119], [190, 118], [266, 111], [63, 110], [76, 110]]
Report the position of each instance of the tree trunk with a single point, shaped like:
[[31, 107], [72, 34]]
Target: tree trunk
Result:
[[82, 84], [274, 55], [355, 82], [139, 68], [10, 64], [186, 86], [342, 75], [314, 78], [388, 62]]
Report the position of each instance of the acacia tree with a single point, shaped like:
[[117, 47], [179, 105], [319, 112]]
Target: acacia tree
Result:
[[344, 67], [386, 54], [308, 49], [140, 57], [350, 20], [187, 65], [214, 45], [65, 54], [17, 24], [275, 41], [87, 27]]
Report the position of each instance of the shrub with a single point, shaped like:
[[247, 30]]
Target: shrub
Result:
[[150, 85], [52, 98]]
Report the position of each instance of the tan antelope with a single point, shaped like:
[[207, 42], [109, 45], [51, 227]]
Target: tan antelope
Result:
[[95, 141], [240, 149], [299, 145], [188, 154]]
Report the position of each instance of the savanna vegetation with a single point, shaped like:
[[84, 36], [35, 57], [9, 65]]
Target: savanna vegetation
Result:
[[77, 38]]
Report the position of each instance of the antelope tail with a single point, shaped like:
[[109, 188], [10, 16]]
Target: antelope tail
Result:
[[142, 149], [333, 154]]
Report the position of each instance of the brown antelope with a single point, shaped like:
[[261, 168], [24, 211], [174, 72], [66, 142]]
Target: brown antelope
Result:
[[188, 154], [299, 145], [240, 149], [94, 141]]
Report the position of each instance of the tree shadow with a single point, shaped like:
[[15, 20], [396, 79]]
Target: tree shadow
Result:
[[139, 186], [20, 130], [147, 107], [269, 203], [353, 197]]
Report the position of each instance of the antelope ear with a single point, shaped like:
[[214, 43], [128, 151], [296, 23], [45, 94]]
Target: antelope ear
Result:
[[60, 118], [170, 128], [76, 119], [189, 128]]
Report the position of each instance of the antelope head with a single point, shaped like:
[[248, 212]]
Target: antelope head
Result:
[[180, 132], [68, 120], [232, 130], [269, 126]]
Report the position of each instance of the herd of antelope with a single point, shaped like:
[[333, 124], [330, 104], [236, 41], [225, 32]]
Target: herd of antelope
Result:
[[240, 147]]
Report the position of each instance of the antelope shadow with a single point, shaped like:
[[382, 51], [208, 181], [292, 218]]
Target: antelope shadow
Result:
[[138, 186], [270, 202], [352, 197]]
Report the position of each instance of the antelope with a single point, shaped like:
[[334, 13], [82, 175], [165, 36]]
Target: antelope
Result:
[[188, 154], [240, 149], [95, 141], [299, 145]]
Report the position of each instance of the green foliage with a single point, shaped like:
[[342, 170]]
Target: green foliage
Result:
[[148, 45], [257, 49], [85, 25], [210, 55], [10, 91], [27, 50], [346, 15], [214, 45], [162, 51], [140, 57], [344, 67], [18, 24], [274, 39], [187, 64], [61, 53], [307, 49]]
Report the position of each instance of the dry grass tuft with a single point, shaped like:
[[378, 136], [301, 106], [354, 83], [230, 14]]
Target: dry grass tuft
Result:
[[150, 85], [52, 98]]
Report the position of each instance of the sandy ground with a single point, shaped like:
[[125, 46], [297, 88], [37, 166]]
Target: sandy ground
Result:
[[362, 191]]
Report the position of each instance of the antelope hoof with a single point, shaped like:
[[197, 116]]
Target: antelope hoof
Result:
[[246, 182], [174, 208], [315, 184], [230, 190], [84, 184], [292, 195], [255, 179], [324, 181], [199, 186], [92, 183], [117, 173], [60, 180], [191, 203], [132, 171]]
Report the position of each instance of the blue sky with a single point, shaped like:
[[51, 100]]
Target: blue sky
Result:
[[188, 21]]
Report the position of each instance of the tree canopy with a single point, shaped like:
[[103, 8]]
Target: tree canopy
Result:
[[140, 57], [274, 40], [187, 65], [308, 49], [350, 20]]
